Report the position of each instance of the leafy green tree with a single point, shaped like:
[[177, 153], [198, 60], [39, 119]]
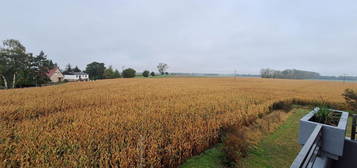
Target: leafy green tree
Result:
[[14, 60], [35, 72], [117, 74], [95, 70], [2, 84], [109, 73], [129, 73], [162, 67], [19, 68], [4, 68], [152, 74], [146, 73]]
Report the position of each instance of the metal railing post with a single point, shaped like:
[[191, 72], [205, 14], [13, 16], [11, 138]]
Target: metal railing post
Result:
[[353, 131], [309, 152]]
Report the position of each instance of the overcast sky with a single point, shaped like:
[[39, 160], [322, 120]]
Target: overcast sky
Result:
[[209, 36]]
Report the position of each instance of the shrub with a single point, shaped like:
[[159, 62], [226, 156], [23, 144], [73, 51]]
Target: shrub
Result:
[[282, 105], [235, 145], [351, 99], [129, 73], [152, 73], [146, 73]]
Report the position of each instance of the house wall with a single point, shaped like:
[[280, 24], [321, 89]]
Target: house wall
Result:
[[85, 77], [56, 76], [75, 77], [70, 77]]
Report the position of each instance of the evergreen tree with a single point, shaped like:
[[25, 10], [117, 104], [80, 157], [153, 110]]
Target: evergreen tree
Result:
[[68, 69], [76, 69]]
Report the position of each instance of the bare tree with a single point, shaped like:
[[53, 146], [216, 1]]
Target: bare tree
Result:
[[162, 67]]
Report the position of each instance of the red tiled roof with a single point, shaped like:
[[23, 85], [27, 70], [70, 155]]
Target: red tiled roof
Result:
[[51, 72]]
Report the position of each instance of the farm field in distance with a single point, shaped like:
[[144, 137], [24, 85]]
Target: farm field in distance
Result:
[[157, 122]]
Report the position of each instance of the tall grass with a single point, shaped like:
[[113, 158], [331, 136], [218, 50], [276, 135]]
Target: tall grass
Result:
[[138, 122]]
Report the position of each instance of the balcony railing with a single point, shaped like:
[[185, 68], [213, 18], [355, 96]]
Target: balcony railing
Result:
[[307, 156]]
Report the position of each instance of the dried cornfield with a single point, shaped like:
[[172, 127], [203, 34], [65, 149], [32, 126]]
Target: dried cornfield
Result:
[[138, 122]]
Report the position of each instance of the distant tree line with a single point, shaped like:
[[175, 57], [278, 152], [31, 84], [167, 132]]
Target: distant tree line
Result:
[[97, 70], [289, 74], [351, 78], [18, 68]]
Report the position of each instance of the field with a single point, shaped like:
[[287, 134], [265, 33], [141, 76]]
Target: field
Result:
[[139, 122]]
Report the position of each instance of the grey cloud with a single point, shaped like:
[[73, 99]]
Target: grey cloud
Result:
[[189, 35]]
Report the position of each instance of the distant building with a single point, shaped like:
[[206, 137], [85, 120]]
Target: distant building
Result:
[[55, 75], [76, 76]]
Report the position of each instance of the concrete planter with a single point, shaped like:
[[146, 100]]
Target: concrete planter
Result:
[[333, 137]]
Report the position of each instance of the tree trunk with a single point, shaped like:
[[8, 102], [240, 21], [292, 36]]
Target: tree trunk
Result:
[[5, 81], [14, 80]]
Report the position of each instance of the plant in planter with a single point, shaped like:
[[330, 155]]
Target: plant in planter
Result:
[[333, 122], [326, 116]]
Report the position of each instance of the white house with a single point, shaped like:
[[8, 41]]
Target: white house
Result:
[[76, 76]]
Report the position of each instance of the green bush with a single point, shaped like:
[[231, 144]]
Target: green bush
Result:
[[152, 73], [129, 73], [351, 99], [146, 73]]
